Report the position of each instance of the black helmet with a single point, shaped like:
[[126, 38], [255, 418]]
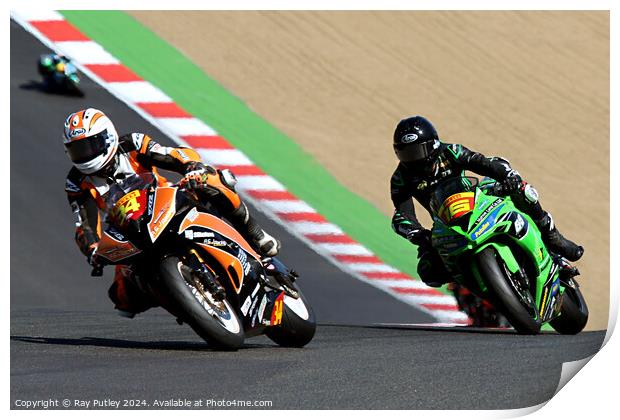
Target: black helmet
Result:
[[415, 140]]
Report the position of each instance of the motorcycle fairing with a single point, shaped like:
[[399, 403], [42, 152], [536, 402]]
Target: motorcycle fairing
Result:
[[231, 264], [495, 216], [206, 220], [115, 247], [164, 209]]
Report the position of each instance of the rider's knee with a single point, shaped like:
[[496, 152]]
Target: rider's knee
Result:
[[432, 270]]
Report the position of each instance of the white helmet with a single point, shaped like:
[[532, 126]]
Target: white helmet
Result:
[[90, 140]]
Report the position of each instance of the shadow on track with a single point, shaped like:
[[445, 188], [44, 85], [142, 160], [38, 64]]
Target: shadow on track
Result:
[[443, 329], [35, 85], [130, 344], [177, 345]]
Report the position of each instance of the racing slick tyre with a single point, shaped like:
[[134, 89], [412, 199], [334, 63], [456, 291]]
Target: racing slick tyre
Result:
[[574, 313], [214, 321], [298, 323], [504, 294]]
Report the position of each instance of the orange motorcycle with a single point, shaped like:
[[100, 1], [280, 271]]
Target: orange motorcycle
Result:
[[199, 268]]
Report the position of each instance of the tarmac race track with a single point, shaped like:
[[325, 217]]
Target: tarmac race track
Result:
[[67, 342]]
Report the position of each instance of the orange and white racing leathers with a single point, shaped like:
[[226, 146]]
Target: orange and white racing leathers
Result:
[[137, 154]]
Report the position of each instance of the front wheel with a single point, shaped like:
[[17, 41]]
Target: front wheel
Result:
[[520, 314], [298, 323], [214, 321], [573, 314]]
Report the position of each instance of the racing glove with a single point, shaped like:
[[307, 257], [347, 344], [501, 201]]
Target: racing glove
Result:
[[512, 182], [88, 243], [420, 237], [86, 240], [197, 175]]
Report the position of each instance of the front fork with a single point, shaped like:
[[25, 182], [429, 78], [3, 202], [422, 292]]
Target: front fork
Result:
[[200, 272]]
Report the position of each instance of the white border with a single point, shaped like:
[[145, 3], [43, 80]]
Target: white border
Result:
[[592, 392]]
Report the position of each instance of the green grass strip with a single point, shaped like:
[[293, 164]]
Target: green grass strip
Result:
[[273, 151]]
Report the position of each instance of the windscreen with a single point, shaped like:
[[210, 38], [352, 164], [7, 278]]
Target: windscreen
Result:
[[453, 198], [130, 183]]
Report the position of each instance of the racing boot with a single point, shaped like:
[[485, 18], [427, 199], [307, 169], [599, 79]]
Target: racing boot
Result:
[[431, 269], [556, 242], [267, 245]]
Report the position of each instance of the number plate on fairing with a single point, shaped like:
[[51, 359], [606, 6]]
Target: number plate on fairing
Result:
[[131, 206], [456, 206]]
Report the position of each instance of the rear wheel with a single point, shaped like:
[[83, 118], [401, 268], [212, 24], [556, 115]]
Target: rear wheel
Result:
[[298, 324], [214, 321], [506, 295], [574, 313]]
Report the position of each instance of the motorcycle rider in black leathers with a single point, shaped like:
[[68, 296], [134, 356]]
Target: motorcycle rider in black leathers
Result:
[[424, 161], [51, 68]]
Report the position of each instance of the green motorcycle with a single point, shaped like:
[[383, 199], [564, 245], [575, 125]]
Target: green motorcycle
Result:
[[497, 252]]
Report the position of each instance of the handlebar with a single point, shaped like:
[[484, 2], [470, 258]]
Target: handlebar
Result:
[[498, 189]]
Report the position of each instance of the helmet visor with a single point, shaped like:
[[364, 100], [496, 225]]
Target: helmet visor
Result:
[[415, 151], [81, 151]]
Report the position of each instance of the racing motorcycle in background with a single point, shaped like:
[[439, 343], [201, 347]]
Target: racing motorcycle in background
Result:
[[199, 268], [61, 77], [497, 252]]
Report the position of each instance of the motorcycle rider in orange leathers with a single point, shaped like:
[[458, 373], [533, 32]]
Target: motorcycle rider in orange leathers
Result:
[[100, 158]]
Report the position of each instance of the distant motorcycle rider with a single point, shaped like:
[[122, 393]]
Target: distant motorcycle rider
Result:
[[424, 161], [101, 158], [51, 67]]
